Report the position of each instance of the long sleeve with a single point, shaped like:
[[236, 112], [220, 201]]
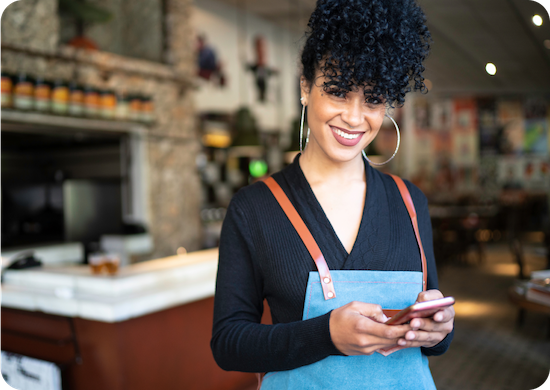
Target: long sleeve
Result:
[[239, 341]]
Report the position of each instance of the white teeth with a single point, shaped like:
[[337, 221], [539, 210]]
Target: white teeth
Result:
[[345, 135]]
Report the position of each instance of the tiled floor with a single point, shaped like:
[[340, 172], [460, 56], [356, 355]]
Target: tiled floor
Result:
[[489, 351]]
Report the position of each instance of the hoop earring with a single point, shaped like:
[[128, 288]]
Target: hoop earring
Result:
[[396, 149], [302, 127]]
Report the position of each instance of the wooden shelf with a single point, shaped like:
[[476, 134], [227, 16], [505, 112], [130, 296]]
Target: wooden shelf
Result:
[[108, 62], [13, 120]]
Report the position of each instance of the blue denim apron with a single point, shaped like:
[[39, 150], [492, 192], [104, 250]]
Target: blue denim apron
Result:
[[327, 290]]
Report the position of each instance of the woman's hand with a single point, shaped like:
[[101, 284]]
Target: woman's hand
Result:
[[357, 329], [427, 332]]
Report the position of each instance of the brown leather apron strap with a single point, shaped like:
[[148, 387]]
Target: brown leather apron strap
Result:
[[412, 213], [315, 251], [305, 235], [390, 312]]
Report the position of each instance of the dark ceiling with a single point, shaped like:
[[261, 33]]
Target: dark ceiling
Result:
[[467, 34]]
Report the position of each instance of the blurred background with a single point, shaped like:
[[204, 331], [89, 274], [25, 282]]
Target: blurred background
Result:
[[127, 126]]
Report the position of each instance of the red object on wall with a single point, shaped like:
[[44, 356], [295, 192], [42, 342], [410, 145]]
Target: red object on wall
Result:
[[83, 42]]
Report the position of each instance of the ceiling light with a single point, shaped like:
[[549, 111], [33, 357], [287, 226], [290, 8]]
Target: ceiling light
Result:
[[547, 43], [491, 68], [537, 20]]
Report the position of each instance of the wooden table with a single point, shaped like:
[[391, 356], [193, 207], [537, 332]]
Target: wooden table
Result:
[[524, 305]]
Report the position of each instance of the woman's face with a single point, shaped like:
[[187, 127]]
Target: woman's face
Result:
[[342, 123]]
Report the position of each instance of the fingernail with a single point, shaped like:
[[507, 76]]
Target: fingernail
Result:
[[410, 336], [438, 317], [401, 342]]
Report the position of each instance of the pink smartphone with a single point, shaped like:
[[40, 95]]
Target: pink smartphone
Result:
[[420, 310]]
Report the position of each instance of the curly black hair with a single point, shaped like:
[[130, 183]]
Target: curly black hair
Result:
[[371, 43]]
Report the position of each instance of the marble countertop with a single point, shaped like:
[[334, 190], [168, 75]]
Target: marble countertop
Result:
[[57, 254], [136, 290]]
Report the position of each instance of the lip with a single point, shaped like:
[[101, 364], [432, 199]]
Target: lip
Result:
[[344, 141]]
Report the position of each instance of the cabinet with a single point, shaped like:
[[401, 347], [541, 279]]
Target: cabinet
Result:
[[169, 349]]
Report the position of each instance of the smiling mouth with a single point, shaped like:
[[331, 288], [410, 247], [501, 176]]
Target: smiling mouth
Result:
[[344, 134]]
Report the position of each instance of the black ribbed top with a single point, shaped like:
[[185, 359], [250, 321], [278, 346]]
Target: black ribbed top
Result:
[[262, 256]]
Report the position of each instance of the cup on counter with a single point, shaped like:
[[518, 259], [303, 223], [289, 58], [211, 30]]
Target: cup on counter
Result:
[[96, 262], [112, 263], [101, 263]]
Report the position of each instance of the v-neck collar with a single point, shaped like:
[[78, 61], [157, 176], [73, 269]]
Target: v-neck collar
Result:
[[305, 192]]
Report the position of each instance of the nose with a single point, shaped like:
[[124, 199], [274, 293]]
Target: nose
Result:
[[353, 113]]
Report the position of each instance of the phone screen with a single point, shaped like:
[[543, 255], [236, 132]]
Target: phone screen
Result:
[[420, 310]]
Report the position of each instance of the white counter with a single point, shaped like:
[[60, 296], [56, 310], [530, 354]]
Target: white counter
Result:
[[65, 253], [136, 290]]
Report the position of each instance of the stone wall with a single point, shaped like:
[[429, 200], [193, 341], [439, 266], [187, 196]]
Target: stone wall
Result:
[[171, 142], [135, 30], [32, 24], [180, 42]]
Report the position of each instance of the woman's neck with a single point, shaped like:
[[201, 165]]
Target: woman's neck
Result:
[[318, 168]]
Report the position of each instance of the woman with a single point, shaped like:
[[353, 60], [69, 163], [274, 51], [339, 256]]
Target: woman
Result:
[[359, 59]]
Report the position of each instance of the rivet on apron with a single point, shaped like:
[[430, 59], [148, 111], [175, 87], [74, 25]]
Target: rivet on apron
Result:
[[330, 294], [326, 280]]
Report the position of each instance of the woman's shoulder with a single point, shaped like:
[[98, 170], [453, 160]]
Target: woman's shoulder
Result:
[[259, 191], [255, 197], [417, 195], [249, 195]]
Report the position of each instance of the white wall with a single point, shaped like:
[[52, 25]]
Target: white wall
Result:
[[231, 32]]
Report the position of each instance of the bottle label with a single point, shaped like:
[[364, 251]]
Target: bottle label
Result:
[[108, 101], [135, 109], [42, 92], [6, 99], [23, 95], [122, 111], [76, 109], [91, 99], [23, 102], [91, 103], [24, 88], [7, 90], [108, 105], [77, 97], [7, 85], [60, 95], [147, 106], [42, 105]]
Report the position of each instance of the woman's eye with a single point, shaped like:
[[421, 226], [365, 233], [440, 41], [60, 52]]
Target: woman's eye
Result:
[[337, 92], [374, 101]]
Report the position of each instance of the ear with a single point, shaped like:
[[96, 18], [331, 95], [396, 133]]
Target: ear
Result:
[[305, 89]]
